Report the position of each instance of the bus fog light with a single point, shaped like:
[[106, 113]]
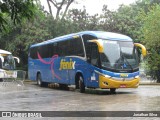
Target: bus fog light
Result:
[[105, 83]]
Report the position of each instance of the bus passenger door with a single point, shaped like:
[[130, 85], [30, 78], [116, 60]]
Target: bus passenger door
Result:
[[95, 63]]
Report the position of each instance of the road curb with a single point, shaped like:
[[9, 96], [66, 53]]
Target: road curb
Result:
[[149, 84], [28, 81]]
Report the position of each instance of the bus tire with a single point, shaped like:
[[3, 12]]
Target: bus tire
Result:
[[39, 80], [63, 86], [81, 84], [113, 90]]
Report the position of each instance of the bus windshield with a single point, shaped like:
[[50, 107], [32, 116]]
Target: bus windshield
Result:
[[119, 55], [9, 62]]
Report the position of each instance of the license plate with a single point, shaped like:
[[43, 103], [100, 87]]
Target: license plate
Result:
[[122, 86]]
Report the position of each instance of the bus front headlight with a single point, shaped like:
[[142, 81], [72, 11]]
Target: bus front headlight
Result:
[[107, 76], [137, 76]]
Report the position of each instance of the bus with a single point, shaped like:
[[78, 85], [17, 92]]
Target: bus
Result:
[[7, 60], [7, 64], [87, 59]]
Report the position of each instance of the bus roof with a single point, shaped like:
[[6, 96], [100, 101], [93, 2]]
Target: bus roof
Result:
[[97, 34], [5, 52], [108, 35]]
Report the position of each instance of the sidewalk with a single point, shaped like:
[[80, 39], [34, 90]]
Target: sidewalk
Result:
[[147, 81]]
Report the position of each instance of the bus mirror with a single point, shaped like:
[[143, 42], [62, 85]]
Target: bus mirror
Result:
[[2, 59], [88, 59], [99, 43], [18, 60], [144, 51]]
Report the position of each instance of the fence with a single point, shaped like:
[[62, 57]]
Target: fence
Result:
[[12, 77]]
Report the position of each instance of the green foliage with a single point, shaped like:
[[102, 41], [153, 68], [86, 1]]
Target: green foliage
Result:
[[125, 20], [140, 21], [150, 34], [16, 10], [22, 36]]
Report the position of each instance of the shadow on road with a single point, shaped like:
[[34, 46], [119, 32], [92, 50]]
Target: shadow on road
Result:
[[105, 92], [87, 91]]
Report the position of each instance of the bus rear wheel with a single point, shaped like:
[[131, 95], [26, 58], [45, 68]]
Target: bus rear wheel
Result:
[[63, 87], [39, 81], [81, 84]]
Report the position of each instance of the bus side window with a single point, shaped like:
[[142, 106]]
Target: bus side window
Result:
[[88, 45], [33, 53], [43, 50], [94, 55], [53, 49]]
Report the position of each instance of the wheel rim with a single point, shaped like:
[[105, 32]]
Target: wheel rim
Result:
[[80, 81], [39, 80]]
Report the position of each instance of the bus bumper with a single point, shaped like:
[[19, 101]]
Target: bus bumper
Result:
[[111, 83]]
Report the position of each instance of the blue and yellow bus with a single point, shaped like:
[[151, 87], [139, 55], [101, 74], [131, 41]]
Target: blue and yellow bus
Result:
[[88, 59]]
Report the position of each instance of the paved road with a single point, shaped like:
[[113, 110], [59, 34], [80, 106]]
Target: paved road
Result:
[[32, 97]]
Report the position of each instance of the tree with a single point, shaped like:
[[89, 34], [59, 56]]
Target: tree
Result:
[[16, 10], [58, 6], [150, 35], [22, 36], [125, 20], [81, 20]]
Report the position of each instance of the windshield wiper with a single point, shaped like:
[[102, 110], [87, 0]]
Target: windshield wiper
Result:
[[126, 61]]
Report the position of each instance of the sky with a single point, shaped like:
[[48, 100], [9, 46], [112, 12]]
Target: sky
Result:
[[95, 6]]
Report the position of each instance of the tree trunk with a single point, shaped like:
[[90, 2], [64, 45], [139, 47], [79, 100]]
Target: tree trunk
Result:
[[66, 9], [50, 9]]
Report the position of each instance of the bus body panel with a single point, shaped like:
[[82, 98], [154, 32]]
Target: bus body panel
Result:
[[7, 60], [63, 69], [58, 73], [90, 73], [112, 83]]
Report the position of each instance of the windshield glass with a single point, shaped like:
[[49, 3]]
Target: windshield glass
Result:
[[9, 62], [119, 55]]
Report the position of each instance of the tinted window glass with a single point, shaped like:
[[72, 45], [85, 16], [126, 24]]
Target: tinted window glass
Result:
[[95, 55], [33, 53], [44, 51], [63, 48], [76, 47], [70, 47], [53, 49], [87, 45]]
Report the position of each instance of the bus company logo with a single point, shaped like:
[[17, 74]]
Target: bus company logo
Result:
[[6, 114], [124, 75], [67, 64]]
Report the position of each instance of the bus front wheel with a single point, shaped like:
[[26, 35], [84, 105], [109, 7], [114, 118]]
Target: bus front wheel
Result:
[[113, 90], [81, 84]]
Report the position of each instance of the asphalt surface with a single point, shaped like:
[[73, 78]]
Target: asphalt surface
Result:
[[30, 97]]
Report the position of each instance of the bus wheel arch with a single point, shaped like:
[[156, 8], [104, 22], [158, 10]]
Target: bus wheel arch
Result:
[[79, 82]]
